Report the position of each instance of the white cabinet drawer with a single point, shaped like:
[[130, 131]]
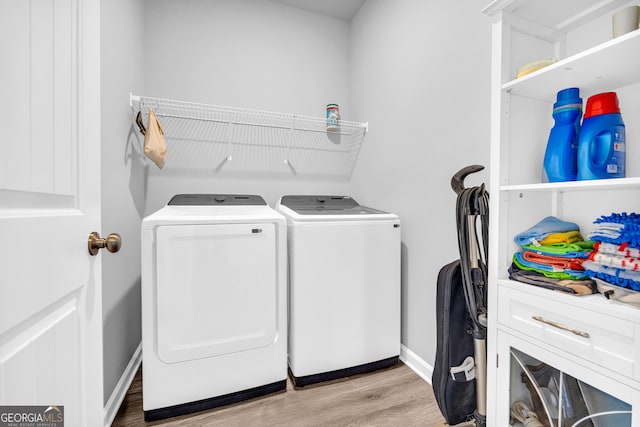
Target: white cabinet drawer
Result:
[[563, 322]]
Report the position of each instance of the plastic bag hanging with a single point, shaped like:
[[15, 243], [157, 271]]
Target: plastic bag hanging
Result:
[[155, 146]]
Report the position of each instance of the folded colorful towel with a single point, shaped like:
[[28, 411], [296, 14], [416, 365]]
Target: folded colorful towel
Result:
[[566, 237], [630, 219], [607, 229], [613, 249], [548, 225], [618, 228], [553, 261], [576, 287], [617, 276], [580, 249], [625, 263], [547, 270]]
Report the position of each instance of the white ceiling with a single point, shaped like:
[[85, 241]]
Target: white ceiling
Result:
[[340, 9]]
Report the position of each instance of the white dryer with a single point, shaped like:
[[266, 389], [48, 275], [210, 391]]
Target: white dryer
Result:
[[344, 287], [213, 303]]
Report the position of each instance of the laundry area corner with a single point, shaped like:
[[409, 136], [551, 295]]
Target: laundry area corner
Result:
[[279, 66]]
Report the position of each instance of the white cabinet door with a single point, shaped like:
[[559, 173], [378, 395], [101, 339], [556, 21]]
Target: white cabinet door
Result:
[[50, 287]]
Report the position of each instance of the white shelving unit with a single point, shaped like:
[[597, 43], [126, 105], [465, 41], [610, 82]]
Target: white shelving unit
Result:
[[578, 34], [219, 138]]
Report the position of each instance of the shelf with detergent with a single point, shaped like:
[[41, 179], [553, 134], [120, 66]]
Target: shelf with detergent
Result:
[[229, 139]]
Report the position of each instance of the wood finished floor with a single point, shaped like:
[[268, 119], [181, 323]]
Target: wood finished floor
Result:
[[396, 396]]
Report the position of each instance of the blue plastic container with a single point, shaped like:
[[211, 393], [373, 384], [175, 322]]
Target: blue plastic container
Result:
[[602, 147], [561, 155]]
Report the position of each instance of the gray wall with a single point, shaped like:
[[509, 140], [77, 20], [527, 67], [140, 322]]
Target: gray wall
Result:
[[253, 54], [123, 180], [420, 73]]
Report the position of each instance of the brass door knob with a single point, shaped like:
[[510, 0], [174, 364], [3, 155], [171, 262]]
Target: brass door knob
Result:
[[112, 242]]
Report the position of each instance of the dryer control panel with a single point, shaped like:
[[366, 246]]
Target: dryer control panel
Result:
[[216, 200]]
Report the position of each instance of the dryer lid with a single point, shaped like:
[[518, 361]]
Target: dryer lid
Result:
[[216, 200], [326, 205]]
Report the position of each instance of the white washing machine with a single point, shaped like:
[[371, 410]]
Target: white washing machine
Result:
[[214, 300], [344, 287]]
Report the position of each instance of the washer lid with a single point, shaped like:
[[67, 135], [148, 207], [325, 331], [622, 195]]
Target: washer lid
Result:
[[216, 200], [212, 209], [326, 205]]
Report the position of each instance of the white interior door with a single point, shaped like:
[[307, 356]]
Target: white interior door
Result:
[[50, 287]]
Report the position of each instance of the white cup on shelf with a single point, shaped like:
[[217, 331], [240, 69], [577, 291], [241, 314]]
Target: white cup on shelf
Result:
[[625, 20]]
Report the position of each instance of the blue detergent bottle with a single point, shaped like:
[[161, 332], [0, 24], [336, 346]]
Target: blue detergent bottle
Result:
[[602, 147], [561, 155]]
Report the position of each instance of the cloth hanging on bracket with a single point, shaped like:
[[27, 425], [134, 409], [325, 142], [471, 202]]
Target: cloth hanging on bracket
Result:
[[155, 147], [140, 124]]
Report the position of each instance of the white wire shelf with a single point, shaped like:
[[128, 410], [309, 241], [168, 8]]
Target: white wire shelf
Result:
[[211, 137]]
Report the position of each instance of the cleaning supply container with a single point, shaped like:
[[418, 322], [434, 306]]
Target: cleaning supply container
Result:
[[333, 117], [561, 155], [601, 147]]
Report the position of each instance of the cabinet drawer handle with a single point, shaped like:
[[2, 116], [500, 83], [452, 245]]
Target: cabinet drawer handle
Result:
[[559, 326]]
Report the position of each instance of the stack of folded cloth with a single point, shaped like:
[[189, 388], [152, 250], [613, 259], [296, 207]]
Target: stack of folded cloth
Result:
[[616, 255], [552, 256]]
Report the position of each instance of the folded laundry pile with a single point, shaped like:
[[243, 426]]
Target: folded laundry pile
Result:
[[552, 256], [616, 255]]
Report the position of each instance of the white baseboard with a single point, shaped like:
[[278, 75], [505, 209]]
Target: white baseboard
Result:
[[417, 364], [120, 390]]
